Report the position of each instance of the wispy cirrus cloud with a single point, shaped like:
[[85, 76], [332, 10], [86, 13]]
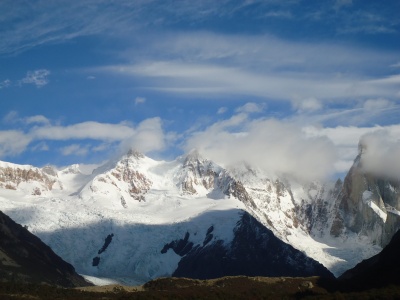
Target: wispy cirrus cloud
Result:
[[5, 83], [139, 100], [305, 74], [251, 107], [49, 22], [37, 77], [75, 149], [13, 117]]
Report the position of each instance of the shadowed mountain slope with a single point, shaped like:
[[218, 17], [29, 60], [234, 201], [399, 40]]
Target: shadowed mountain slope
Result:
[[378, 271], [25, 258]]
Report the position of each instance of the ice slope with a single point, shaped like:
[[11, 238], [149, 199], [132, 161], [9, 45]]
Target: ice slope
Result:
[[75, 222]]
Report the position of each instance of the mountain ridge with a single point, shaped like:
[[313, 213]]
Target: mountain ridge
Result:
[[135, 190]]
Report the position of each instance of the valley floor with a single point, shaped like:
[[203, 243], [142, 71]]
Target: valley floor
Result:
[[222, 288]]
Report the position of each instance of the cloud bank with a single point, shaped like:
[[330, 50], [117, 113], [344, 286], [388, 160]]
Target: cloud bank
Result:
[[276, 147], [381, 153], [147, 136]]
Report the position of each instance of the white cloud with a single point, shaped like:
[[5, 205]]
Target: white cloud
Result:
[[37, 77], [342, 3], [38, 119], [5, 83], [84, 130], [251, 107], [346, 139], [203, 63], [101, 147], [307, 105], [140, 100], [381, 154], [74, 149], [50, 22], [13, 142], [222, 110], [147, 136], [41, 146], [274, 146], [11, 117], [396, 65], [377, 104], [279, 14]]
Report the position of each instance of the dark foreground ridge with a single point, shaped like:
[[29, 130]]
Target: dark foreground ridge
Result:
[[239, 287], [24, 258], [378, 271]]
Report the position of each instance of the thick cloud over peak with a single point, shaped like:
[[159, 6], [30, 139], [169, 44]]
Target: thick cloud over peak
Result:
[[277, 147], [381, 153]]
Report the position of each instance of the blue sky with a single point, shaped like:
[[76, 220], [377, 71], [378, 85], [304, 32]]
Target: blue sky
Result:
[[290, 86]]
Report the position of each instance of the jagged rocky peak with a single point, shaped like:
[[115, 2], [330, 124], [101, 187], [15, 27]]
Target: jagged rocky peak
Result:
[[197, 173], [362, 147], [368, 204], [134, 153], [193, 156], [72, 169], [125, 178], [50, 170]]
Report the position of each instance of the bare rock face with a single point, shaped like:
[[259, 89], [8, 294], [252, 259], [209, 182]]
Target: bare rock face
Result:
[[30, 179], [197, 173], [367, 205], [202, 174]]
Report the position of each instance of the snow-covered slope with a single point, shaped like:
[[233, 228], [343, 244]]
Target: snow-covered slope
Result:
[[135, 218], [28, 179]]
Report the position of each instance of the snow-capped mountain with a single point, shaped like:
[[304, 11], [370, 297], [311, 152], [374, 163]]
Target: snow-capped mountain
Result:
[[136, 218]]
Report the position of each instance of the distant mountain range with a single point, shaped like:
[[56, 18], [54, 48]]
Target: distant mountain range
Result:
[[135, 218]]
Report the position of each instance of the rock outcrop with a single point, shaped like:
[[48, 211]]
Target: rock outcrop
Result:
[[27, 178], [367, 205]]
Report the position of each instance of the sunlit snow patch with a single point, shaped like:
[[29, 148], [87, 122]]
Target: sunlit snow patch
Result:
[[367, 198]]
